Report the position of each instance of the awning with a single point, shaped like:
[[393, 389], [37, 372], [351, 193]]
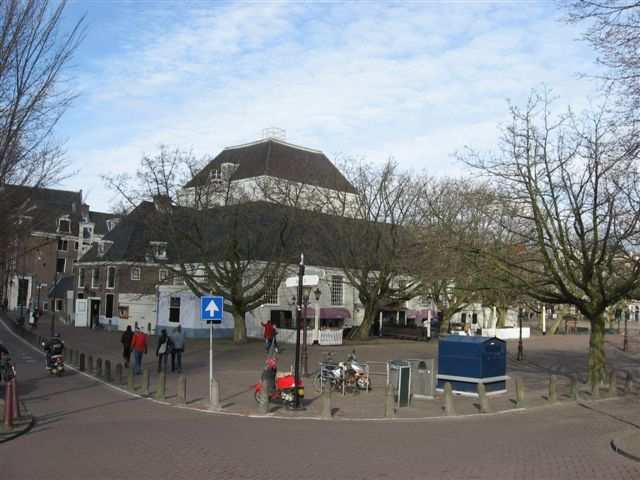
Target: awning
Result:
[[329, 313], [420, 315]]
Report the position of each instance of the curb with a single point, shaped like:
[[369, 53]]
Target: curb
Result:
[[5, 437], [618, 446]]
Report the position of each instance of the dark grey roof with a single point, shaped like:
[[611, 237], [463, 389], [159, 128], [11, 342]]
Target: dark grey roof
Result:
[[62, 287], [278, 159], [100, 221], [43, 205]]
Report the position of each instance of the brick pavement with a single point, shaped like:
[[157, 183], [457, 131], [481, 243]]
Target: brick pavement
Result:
[[88, 431], [237, 368]]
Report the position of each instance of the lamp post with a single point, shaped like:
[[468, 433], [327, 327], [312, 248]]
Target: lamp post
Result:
[[305, 302], [298, 317], [53, 290], [520, 347]]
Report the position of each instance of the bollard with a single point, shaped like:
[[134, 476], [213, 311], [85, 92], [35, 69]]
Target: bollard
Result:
[[613, 383], [81, 362], [119, 373], [76, 358], [519, 393], [449, 409], [99, 367], [573, 388], [146, 381], [90, 367], [14, 398], [70, 355], [263, 398], [182, 389], [484, 400], [595, 390], [161, 388], [107, 370], [389, 403], [326, 404], [130, 380], [553, 389], [628, 383], [8, 406], [214, 392]]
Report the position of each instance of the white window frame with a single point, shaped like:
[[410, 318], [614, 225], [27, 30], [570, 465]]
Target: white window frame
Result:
[[159, 250], [271, 293], [135, 270], [64, 243], [64, 219], [173, 308], [64, 265], [81, 279], [115, 271], [336, 289], [95, 284]]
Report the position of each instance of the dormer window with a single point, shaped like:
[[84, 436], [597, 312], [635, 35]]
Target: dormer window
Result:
[[64, 225], [159, 250], [111, 223], [87, 232]]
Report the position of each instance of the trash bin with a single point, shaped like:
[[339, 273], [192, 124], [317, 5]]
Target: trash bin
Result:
[[422, 378], [466, 361], [400, 381]]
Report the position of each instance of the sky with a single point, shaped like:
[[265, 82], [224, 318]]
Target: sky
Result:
[[416, 81]]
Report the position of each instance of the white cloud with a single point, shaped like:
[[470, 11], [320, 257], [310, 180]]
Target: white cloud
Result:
[[416, 82]]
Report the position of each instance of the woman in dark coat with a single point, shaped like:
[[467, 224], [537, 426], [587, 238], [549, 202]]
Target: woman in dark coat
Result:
[[127, 335]]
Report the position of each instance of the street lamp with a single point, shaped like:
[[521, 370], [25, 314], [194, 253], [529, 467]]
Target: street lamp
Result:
[[520, 347], [305, 301], [53, 290]]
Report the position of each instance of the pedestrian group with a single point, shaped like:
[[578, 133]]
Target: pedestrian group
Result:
[[136, 342]]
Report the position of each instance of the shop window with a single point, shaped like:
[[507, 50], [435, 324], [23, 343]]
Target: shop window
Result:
[[174, 309], [282, 318], [123, 311]]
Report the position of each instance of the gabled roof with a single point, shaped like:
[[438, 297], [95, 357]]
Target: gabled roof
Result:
[[279, 159], [43, 205]]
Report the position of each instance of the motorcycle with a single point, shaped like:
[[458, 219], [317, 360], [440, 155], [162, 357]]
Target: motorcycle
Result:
[[350, 374], [281, 386], [7, 369], [54, 362]]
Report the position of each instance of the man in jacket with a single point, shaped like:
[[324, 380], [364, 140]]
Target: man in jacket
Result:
[[177, 339], [139, 348]]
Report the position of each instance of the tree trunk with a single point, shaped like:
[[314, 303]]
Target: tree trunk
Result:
[[597, 361], [239, 328], [501, 313], [446, 321], [362, 331]]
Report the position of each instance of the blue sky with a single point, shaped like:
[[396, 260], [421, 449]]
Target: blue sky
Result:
[[416, 81]]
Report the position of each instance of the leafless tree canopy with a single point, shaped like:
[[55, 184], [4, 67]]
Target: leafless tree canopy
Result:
[[614, 31], [567, 224]]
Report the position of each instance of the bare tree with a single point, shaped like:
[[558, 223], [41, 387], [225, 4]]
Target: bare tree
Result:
[[369, 239], [614, 31], [567, 228], [219, 241]]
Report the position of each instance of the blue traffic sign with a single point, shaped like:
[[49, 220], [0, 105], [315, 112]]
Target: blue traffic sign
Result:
[[212, 309]]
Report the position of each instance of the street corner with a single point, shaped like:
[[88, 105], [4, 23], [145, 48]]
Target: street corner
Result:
[[17, 426], [628, 444]]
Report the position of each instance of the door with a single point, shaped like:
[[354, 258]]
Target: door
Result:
[[94, 313], [81, 313], [108, 306]]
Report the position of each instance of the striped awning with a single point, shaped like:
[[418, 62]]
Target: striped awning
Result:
[[329, 313]]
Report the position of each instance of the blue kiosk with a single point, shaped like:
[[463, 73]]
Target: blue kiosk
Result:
[[465, 361]]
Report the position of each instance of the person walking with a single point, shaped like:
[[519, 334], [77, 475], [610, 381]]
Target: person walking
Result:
[[139, 348], [162, 350], [126, 338], [177, 343], [270, 336]]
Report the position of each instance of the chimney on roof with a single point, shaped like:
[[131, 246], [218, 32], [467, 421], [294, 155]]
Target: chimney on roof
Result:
[[162, 202], [84, 212]]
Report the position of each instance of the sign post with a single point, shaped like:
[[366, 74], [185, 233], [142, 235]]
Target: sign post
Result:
[[212, 311]]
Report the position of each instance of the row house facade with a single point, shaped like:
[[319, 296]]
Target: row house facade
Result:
[[52, 230]]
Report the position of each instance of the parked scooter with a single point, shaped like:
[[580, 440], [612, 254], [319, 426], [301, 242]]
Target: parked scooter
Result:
[[54, 362], [350, 374], [281, 386]]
